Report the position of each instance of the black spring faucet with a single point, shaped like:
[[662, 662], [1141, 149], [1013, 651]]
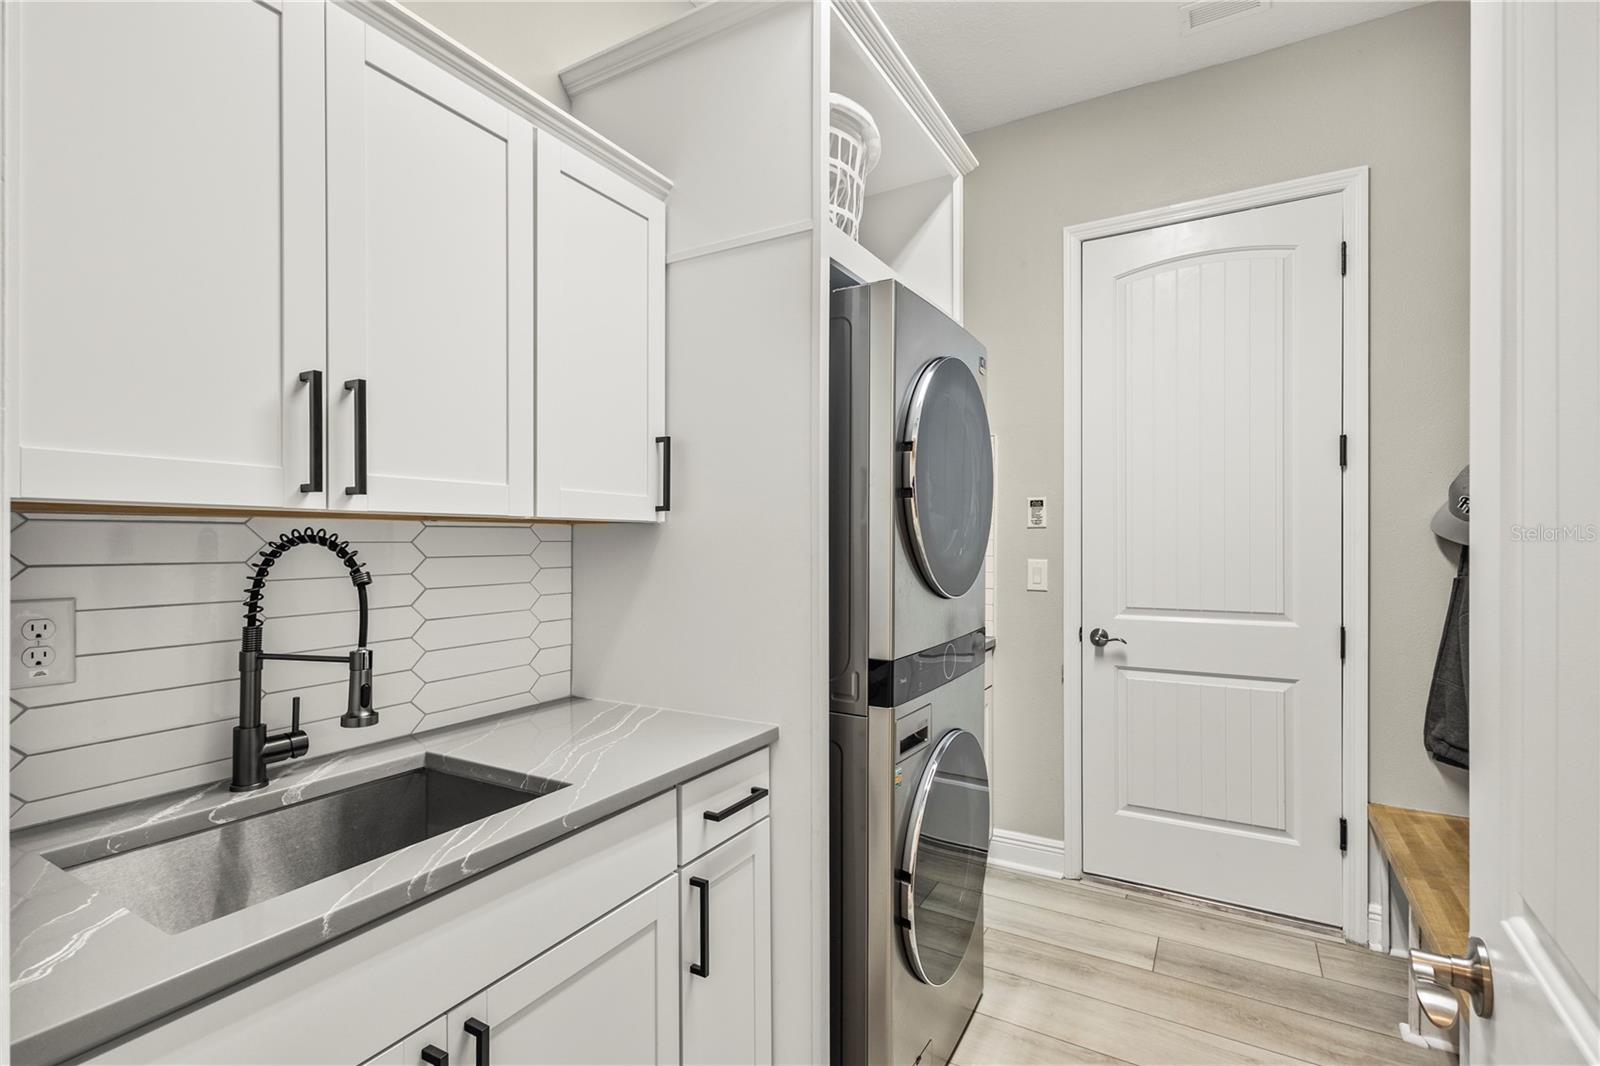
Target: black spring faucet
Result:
[[253, 749]]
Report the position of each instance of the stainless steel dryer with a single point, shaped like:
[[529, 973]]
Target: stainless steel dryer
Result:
[[911, 495]]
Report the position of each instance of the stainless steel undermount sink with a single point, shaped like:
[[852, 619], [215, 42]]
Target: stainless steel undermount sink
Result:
[[190, 880]]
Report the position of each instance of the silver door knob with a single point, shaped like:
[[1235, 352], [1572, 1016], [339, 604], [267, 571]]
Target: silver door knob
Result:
[[1100, 638], [1439, 977]]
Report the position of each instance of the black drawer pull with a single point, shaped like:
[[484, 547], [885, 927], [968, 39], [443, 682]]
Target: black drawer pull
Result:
[[666, 474], [703, 967], [433, 1055], [755, 795], [314, 470], [479, 1031], [359, 387]]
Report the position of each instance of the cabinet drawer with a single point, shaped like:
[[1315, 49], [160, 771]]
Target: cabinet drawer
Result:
[[716, 806]]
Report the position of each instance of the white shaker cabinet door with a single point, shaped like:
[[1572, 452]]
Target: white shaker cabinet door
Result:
[[601, 341], [430, 285], [409, 1052], [166, 236], [726, 900], [605, 996]]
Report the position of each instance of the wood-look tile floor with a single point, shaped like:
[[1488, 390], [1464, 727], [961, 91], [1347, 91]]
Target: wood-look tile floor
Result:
[[1078, 972]]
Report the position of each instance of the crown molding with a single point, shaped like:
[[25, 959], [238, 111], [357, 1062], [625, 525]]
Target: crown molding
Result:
[[688, 28], [880, 44], [404, 26]]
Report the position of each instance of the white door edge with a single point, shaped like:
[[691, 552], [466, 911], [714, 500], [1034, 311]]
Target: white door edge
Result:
[[1352, 187]]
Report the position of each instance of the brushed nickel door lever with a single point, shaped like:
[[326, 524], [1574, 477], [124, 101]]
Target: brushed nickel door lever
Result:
[[1439, 977]]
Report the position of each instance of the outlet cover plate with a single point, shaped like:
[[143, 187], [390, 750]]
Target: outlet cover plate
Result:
[[63, 667]]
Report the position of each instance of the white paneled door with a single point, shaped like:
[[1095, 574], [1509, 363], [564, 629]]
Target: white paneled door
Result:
[[1535, 892], [1212, 363], [166, 245], [430, 285], [602, 371]]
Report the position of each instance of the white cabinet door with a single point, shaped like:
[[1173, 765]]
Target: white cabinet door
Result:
[[430, 284], [408, 1052], [601, 341], [727, 951], [606, 995], [167, 244]]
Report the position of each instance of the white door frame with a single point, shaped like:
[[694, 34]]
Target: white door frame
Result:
[[1351, 185]]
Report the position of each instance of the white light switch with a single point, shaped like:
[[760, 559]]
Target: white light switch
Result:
[[1038, 575]]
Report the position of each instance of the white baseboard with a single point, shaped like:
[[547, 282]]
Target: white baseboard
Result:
[[1025, 853]]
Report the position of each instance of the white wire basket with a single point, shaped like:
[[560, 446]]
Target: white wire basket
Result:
[[854, 147]]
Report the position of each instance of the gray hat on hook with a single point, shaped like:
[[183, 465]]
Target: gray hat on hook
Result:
[[1450, 521]]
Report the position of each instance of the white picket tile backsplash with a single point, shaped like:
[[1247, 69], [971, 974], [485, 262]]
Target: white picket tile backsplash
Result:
[[466, 621]]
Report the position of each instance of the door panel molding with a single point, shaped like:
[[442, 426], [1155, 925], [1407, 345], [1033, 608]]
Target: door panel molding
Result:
[[1352, 187]]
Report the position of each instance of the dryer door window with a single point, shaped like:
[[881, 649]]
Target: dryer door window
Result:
[[940, 881], [947, 476]]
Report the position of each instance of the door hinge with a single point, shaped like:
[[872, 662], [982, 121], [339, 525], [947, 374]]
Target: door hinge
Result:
[[1080, 634], [1344, 450], [1341, 643], [1344, 258], [1344, 835]]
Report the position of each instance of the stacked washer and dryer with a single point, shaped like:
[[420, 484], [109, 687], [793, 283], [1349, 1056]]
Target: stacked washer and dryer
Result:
[[911, 485]]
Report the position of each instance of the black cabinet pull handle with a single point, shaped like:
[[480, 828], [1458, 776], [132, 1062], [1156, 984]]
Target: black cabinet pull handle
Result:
[[479, 1031], [434, 1055], [756, 794], [314, 379], [666, 474], [703, 967], [359, 387]]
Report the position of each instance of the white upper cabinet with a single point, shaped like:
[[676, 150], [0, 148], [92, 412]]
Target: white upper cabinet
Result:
[[430, 285], [165, 239], [282, 255], [601, 372]]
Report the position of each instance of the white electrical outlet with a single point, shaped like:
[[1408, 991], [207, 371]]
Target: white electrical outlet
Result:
[[44, 641]]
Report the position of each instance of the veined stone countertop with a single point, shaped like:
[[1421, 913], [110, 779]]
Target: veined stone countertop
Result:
[[85, 969]]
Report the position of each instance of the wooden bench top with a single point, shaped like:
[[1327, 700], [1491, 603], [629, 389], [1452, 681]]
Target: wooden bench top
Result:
[[1427, 855]]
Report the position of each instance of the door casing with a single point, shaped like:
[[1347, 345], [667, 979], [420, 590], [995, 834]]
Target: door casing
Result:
[[1351, 185]]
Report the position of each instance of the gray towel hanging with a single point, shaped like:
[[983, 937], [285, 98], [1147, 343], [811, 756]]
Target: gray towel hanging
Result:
[[1444, 728]]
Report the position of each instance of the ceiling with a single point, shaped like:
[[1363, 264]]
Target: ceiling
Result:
[[994, 61]]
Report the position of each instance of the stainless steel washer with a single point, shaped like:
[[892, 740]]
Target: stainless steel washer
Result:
[[911, 490]]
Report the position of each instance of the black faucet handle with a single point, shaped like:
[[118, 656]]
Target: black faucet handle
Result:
[[294, 715]]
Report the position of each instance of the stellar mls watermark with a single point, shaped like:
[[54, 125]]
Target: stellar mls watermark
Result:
[[1541, 533]]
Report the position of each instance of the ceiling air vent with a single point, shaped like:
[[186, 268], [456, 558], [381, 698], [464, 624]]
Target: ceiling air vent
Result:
[[1205, 14]]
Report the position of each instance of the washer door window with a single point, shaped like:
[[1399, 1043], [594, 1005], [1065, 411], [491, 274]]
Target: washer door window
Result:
[[947, 476], [946, 854]]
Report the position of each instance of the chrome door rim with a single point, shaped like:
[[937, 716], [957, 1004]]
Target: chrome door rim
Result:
[[908, 479], [908, 867]]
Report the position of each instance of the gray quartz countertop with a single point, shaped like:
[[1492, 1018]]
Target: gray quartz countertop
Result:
[[85, 969]]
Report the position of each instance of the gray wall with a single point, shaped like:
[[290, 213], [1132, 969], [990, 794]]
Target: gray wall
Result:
[[1391, 94], [534, 39]]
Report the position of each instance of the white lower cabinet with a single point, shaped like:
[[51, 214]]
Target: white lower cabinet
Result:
[[606, 948], [410, 1051], [726, 900], [608, 994]]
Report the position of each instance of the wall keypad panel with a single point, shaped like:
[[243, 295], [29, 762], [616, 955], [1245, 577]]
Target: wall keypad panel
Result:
[[466, 621]]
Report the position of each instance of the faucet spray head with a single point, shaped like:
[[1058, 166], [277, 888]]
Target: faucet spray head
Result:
[[359, 712]]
